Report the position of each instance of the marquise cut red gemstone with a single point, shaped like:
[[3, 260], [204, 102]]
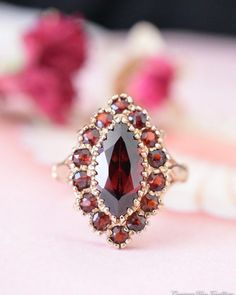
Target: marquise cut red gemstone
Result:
[[119, 170]]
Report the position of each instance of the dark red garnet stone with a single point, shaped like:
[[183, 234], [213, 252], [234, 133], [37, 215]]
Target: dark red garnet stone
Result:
[[101, 221], [149, 203], [82, 157], [156, 158], [81, 180], [103, 120], [119, 170], [136, 222], [88, 203], [119, 105], [156, 181], [91, 136], [138, 119], [119, 235]]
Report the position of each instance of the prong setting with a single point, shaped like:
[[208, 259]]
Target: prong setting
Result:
[[120, 109]]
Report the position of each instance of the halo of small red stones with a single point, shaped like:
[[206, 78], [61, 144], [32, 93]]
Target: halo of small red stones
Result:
[[155, 172]]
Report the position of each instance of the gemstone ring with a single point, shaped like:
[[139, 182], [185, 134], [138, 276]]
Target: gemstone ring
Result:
[[119, 170]]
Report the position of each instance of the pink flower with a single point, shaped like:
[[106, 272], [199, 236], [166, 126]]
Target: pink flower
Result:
[[51, 92], [57, 42], [56, 49], [151, 83]]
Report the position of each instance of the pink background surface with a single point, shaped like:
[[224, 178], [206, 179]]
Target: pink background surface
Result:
[[47, 248]]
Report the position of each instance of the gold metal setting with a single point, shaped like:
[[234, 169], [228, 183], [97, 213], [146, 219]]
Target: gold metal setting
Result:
[[172, 171]]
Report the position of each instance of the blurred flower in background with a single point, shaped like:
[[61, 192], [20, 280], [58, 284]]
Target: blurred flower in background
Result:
[[56, 42], [55, 50], [148, 79]]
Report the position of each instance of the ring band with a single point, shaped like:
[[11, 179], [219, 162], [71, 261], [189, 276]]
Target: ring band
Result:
[[119, 170]]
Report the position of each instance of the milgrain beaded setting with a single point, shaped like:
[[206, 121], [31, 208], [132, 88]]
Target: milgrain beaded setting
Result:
[[118, 230]]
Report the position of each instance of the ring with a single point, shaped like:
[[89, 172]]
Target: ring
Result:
[[119, 170]]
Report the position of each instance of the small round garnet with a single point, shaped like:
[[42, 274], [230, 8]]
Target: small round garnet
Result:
[[101, 221], [156, 181], [119, 235], [91, 136], [81, 180], [103, 120], [82, 157], [138, 119], [149, 137], [88, 202], [119, 105], [156, 158], [149, 203], [136, 222]]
